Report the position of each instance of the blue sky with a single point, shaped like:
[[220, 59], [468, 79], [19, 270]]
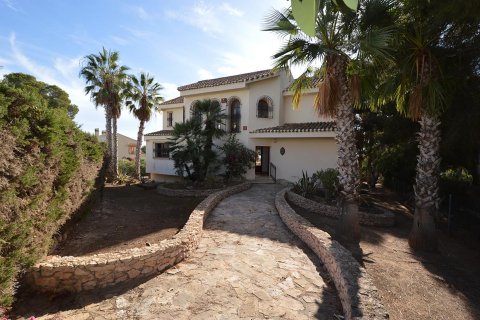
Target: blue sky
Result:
[[177, 41]]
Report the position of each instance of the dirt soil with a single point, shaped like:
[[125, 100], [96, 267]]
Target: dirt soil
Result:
[[127, 217], [441, 285]]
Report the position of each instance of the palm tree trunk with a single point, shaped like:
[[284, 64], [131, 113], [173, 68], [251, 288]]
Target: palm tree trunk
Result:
[[423, 235], [114, 147], [347, 162], [137, 150], [108, 136]]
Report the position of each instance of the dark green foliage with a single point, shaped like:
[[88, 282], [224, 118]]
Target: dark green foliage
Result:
[[42, 151], [306, 186], [387, 147], [328, 181], [237, 158], [455, 181], [193, 150]]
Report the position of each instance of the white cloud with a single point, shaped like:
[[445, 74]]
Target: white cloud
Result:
[[120, 41], [202, 16], [141, 13], [204, 74], [169, 90], [231, 10], [10, 4]]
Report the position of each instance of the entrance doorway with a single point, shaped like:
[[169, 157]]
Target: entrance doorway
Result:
[[262, 161]]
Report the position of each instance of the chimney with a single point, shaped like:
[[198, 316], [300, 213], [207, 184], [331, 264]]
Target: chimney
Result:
[[97, 134]]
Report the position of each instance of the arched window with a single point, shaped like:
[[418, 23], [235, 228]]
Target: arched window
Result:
[[265, 107], [234, 115]]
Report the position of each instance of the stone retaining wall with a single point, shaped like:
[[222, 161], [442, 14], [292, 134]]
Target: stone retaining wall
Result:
[[74, 274], [357, 293], [386, 219], [169, 192]]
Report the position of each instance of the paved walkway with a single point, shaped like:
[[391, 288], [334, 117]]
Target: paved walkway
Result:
[[247, 266]]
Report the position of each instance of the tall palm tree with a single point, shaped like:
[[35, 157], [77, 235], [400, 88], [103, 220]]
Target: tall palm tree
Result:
[[344, 43], [105, 79], [417, 83], [143, 98]]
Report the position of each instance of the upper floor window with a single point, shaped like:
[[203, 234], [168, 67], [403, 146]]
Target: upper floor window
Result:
[[235, 116], [131, 149], [170, 119], [265, 108]]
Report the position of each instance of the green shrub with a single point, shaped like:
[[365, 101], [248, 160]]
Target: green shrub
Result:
[[43, 149], [306, 186], [455, 181], [328, 181], [237, 158], [127, 167]]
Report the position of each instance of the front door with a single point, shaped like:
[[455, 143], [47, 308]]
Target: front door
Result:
[[262, 161]]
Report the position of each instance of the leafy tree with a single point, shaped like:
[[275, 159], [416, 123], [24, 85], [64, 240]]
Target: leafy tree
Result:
[[237, 158], [143, 98], [192, 151], [106, 79], [345, 43]]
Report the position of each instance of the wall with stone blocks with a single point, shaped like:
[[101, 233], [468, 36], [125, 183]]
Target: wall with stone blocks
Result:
[[386, 219], [74, 274], [169, 192], [359, 297]]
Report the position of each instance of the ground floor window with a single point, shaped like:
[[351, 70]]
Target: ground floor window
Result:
[[162, 150]]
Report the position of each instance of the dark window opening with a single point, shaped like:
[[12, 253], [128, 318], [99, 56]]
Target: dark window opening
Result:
[[169, 119], [235, 116], [265, 108], [162, 150]]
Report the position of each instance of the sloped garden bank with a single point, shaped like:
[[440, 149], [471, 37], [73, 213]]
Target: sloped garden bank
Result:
[[74, 274]]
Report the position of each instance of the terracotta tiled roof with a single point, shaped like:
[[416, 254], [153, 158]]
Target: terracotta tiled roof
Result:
[[314, 84], [172, 101], [160, 133], [300, 127], [228, 80]]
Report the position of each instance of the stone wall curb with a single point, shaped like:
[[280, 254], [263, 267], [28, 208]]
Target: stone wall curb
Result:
[[74, 274], [386, 219], [358, 294], [164, 191]]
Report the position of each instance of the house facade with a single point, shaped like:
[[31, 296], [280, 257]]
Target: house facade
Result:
[[126, 146], [259, 111]]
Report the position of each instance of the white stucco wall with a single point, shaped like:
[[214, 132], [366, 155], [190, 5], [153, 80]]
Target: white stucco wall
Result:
[[177, 116], [310, 154], [306, 111], [157, 165]]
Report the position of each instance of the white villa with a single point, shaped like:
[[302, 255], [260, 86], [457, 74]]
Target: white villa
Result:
[[259, 109]]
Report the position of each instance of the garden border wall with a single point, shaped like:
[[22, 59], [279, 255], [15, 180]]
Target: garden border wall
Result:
[[164, 191], [358, 294], [386, 219], [75, 274]]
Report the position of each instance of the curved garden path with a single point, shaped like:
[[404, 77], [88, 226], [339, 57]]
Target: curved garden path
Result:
[[248, 265]]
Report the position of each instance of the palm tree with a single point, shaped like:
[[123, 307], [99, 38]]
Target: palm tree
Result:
[[213, 122], [105, 80], [192, 151], [416, 82], [344, 43], [146, 93]]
